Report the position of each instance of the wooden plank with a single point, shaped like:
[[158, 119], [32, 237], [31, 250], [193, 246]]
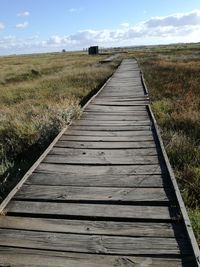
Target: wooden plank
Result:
[[120, 99], [107, 133], [115, 153], [105, 145], [100, 159], [121, 95], [105, 170], [104, 100], [136, 138], [105, 194], [146, 122], [131, 109], [91, 210], [20, 257], [93, 243], [140, 229], [110, 128], [94, 107], [125, 103], [108, 180], [107, 117], [114, 113], [128, 85]]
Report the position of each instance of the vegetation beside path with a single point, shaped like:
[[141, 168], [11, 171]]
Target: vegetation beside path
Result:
[[39, 94], [172, 76]]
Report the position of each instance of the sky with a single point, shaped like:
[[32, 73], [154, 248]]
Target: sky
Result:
[[32, 26]]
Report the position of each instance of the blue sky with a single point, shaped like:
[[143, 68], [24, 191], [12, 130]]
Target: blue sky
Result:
[[28, 26]]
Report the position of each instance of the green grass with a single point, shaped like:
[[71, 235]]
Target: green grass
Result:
[[195, 219], [39, 94], [172, 76]]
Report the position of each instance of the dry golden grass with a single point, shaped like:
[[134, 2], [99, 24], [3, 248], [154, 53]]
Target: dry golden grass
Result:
[[39, 94]]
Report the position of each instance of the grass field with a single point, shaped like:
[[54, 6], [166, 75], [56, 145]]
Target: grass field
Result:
[[172, 75], [39, 94]]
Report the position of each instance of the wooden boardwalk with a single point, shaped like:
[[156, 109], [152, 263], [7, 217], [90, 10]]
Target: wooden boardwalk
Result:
[[103, 194]]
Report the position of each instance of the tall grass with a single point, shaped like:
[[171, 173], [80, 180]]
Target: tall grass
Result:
[[172, 75], [39, 94]]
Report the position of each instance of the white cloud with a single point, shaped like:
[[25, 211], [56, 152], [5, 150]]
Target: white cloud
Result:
[[23, 14], [73, 10], [125, 24], [23, 25], [176, 20], [2, 26], [173, 28], [184, 27]]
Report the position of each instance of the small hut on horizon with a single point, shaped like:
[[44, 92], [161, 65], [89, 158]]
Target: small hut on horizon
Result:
[[93, 50]]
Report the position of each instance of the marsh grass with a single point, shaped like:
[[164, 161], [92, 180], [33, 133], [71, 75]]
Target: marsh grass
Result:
[[172, 75], [39, 94]]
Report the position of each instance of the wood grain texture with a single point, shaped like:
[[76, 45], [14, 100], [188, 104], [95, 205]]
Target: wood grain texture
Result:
[[93, 243], [115, 153], [92, 210], [111, 128], [136, 138], [113, 123], [116, 133], [75, 193], [105, 145], [105, 170], [113, 118], [135, 229], [21, 257], [99, 180], [100, 159]]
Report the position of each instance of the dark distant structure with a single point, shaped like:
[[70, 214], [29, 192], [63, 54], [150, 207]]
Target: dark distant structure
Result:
[[93, 50]]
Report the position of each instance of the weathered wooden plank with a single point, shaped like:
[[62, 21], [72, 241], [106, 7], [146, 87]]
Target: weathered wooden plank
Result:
[[140, 229], [91, 210], [136, 138], [120, 99], [105, 145], [93, 243], [108, 180], [100, 159], [108, 194], [114, 113], [107, 133], [110, 128], [105, 170], [94, 107], [115, 153], [125, 103], [146, 122], [107, 117], [20, 257], [121, 95], [125, 85]]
